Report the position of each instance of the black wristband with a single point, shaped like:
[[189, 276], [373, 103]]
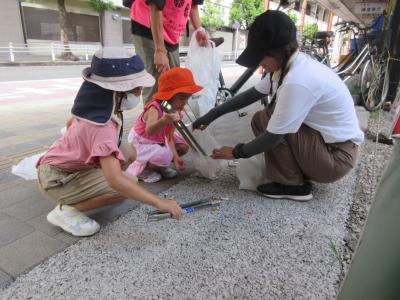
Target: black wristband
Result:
[[237, 151]]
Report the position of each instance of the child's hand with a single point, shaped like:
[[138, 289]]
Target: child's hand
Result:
[[172, 117], [170, 206], [179, 164]]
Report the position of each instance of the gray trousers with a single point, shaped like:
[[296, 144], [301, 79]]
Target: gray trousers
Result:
[[144, 47], [304, 155]]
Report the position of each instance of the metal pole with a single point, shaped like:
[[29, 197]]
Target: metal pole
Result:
[[10, 47], [53, 55], [87, 53]]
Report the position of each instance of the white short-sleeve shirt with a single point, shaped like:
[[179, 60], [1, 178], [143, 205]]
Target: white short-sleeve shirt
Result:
[[311, 93]]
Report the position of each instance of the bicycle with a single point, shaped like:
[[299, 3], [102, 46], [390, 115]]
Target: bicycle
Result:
[[317, 47], [224, 93], [368, 62]]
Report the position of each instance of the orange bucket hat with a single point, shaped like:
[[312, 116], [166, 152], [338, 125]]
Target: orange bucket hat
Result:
[[175, 81]]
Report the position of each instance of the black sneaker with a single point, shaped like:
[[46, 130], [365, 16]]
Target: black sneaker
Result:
[[293, 192]]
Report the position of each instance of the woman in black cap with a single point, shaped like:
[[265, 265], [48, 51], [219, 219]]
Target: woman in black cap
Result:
[[309, 130], [82, 170]]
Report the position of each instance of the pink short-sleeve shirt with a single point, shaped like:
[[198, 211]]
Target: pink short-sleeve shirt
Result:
[[82, 146]]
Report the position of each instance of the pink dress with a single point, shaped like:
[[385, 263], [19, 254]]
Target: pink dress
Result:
[[151, 148], [82, 146]]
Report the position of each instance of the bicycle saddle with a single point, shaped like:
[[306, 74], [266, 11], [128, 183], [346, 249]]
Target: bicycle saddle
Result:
[[321, 35], [218, 41]]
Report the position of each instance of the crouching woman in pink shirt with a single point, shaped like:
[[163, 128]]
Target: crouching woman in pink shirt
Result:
[[82, 170]]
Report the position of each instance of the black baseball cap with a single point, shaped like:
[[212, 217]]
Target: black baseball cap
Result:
[[271, 30]]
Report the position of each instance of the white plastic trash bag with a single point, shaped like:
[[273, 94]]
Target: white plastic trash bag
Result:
[[205, 64], [26, 168], [251, 172], [205, 165]]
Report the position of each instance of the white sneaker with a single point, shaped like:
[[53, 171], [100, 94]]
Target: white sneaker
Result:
[[72, 221], [149, 176], [167, 172]]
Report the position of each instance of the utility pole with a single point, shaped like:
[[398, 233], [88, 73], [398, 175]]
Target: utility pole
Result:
[[266, 4], [330, 19], [303, 15]]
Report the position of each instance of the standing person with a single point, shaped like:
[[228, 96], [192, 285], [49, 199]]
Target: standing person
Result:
[[309, 130], [153, 136], [82, 170], [157, 26]]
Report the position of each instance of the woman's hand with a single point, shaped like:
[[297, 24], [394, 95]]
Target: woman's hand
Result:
[[223, 153], [170, 206], [179, 164], [161, 61], [202, 38]]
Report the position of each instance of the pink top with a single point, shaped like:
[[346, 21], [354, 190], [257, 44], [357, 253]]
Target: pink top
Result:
[[140, 125], [82, 146], [175, 15]]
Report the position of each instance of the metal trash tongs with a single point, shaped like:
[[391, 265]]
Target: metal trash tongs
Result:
[[183, 130], [187, 208]]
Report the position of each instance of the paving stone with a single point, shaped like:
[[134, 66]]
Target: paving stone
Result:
[[25, 253], [12, 229], [112, 212], [363, 117], [29, 209], [67, 238], [44, 126], [40, 223], [5, 279], [17, 193], [5, 133]]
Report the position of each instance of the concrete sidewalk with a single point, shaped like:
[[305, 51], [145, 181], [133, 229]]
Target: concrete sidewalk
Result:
[[26, 239]]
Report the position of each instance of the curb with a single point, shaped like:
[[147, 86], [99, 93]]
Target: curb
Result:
[[44, 63]]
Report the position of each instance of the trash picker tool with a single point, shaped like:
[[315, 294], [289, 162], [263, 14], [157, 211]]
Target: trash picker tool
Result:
[[187, 208], [183, 130]]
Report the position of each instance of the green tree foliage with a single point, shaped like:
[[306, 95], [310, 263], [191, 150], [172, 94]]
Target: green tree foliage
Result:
[[310, 30], [211, 14], [292, 15], [245, 11], [101, 5]]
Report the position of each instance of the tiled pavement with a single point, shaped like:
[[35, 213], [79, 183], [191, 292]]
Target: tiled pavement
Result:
[[26, 238]]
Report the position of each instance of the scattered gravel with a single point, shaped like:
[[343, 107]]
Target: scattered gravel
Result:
[[251, 248]]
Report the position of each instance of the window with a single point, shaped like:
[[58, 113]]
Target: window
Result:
[[297, 5], [325, 16], [43, 24], [126, 31]]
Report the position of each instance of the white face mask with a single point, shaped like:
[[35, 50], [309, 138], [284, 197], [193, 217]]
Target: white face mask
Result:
[[129, 102]]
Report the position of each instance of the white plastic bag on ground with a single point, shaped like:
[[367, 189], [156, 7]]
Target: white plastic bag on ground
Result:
[[26, 168], [251, 172], [205, 165], [205, 64]]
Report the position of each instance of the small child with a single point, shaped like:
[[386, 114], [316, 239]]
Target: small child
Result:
[[153, 136]]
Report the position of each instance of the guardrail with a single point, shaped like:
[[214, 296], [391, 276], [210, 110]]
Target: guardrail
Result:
[[83, 52]]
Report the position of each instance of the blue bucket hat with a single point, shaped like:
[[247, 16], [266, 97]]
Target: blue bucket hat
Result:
[[113, 69], [117, 69]]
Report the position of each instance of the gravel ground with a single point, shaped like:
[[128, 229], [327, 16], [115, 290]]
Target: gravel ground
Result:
[[251, 248]]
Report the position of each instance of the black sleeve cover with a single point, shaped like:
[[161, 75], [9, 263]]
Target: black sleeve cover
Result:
[[239, 101], [262, 143]]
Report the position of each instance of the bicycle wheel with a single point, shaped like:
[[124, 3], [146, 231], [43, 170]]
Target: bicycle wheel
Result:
[[223, 95], [372, 86]]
